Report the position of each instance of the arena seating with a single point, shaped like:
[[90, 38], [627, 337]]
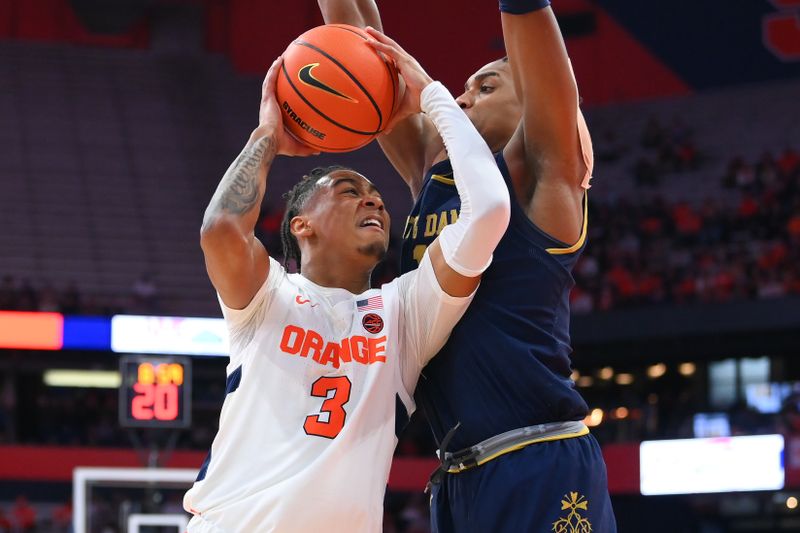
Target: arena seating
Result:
[[109, 157]]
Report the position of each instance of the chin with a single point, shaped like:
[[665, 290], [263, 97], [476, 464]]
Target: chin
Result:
[[375, 249]]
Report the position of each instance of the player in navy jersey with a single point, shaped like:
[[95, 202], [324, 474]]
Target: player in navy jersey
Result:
[[515, 453]]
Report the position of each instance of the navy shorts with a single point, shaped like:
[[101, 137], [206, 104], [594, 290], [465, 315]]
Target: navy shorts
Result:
[[558, 486]]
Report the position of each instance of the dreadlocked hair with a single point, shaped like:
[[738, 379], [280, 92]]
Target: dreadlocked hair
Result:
[[296, 200]]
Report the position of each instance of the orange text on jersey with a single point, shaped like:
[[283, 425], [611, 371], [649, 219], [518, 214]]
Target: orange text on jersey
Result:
[[359, 349]]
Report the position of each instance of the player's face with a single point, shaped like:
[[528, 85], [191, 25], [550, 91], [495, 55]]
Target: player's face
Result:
[[348, 214], [491, 104]]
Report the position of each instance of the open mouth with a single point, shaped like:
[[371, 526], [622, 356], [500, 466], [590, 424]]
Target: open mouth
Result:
[[372, 222]]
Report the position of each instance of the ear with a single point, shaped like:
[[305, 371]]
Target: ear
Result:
[[301, 227]]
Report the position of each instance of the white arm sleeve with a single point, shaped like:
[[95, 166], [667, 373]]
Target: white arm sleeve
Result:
[[468, 244], [428, 316]]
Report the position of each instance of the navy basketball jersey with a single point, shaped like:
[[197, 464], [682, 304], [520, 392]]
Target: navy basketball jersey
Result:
[[506, 364]]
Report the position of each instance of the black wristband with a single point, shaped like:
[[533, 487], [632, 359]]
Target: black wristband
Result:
[[520, 7]]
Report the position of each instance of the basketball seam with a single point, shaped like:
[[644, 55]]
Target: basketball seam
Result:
[[341, 27], [394, 84], [355, 80], [328, 148], [385, 62]]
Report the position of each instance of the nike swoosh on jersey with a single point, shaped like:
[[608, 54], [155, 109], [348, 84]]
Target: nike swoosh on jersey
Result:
[[305, 76], [301, 301]]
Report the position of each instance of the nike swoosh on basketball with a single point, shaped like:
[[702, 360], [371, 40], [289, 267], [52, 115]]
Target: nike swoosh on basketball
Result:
[[305, 76]]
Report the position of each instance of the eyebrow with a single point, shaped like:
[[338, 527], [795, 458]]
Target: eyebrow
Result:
[[480, 77], [355, 183]]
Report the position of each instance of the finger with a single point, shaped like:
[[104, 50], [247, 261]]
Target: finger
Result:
[[301, 148], [377, 35], [272, 73], [383, 38], [301, 153], [385, 48], [297, 147], [271, 79], [266, 77], [372, 31], [304, 152]]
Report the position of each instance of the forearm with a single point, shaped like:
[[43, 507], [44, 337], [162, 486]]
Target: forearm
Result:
[[236, 203], [534, 45], [554, 144], [404, 147], [360, 13], [468, 244]]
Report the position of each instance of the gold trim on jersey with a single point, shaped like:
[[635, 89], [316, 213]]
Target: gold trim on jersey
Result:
[[456, 469], [443, 179], [577, 246]]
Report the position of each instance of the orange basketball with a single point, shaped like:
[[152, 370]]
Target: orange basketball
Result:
[[336, 91]]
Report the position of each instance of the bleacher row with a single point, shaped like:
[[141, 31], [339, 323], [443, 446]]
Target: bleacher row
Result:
[[98, 171], [743, 121]]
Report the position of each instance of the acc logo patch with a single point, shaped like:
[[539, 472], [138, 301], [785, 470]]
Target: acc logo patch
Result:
[[372, 323]]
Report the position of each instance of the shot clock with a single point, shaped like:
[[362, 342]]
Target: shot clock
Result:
[[155, 392]]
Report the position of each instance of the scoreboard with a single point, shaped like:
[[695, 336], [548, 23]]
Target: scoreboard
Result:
[[155, 392]]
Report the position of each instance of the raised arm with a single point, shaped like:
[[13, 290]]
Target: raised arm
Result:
[[463, 250], [545, 152], [236, 261], [412, 142], [359, 13]]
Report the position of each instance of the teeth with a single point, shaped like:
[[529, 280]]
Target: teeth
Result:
[[372, 222]]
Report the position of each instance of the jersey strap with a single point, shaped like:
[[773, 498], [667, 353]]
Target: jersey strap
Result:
[[582, 239], [447, 179]]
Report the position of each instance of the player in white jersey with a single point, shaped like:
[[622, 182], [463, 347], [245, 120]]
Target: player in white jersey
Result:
[[318, 361]]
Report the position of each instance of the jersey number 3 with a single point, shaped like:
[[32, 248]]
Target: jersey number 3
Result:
[[333, 406]]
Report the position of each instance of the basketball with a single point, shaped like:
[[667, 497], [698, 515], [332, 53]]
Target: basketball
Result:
[[336, 92]]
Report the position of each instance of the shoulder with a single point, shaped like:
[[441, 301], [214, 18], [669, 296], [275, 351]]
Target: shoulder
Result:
[[398, 285], [276, 282]]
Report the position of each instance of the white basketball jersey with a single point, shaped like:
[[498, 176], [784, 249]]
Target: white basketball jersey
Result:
[[307, 429]]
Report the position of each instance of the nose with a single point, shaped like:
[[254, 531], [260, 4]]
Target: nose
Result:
[[464, 101], [373, 200]]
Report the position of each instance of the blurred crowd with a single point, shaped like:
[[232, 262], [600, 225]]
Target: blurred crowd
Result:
[[663, 149], [23, 517], [23, 294], [647, 252]]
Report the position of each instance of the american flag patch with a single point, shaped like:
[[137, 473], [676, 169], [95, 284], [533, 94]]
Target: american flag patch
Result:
[[370, 304]]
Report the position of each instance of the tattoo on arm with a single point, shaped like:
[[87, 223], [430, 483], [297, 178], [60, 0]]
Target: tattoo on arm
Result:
[[239, 191]]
